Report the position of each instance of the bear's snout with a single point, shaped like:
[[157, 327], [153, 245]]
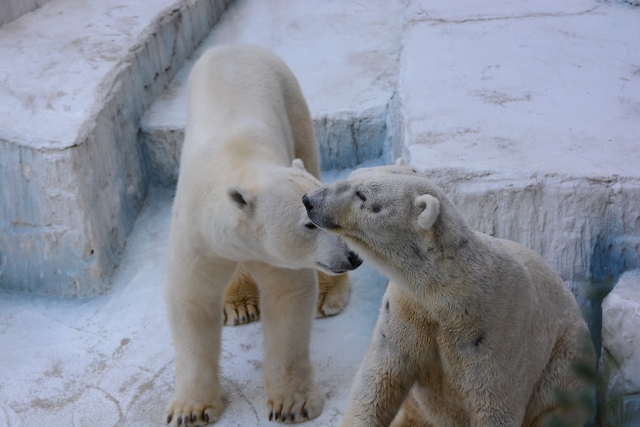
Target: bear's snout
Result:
[[318, 216]]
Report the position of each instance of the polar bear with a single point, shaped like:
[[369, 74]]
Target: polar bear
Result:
[[238, 201], [472, 330]]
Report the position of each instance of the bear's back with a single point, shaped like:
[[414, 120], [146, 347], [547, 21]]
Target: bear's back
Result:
[[553, 294]]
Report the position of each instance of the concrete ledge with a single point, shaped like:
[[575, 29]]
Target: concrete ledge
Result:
[[77, 78]]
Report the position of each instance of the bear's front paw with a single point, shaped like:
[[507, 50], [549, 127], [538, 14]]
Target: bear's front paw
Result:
[[180, 413], [295, 408]]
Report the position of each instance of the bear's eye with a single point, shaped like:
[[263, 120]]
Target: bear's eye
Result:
[[375, 208], [310, 225], [361, 196]]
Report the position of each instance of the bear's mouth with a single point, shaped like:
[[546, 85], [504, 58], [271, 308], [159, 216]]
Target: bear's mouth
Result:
[[353, 262], [333, 271], [323, 222]]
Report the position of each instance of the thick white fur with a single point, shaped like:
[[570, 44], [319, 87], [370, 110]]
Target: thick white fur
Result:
[[239, 200], [472, 331]]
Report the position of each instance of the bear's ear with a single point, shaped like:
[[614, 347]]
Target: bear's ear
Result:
[[297, 163], [399, 161], [430, 210], [241, 198]]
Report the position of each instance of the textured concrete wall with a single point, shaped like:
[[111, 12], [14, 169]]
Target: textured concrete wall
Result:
[[66, 212], [346, 139]]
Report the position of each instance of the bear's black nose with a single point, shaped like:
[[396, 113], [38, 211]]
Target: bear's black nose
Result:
[[354, 260], [307, 203]]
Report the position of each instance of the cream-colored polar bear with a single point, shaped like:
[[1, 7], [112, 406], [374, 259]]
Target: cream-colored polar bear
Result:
[[472, 331], [239, 201]]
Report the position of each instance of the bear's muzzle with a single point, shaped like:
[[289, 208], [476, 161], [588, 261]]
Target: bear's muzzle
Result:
[[315, 215]]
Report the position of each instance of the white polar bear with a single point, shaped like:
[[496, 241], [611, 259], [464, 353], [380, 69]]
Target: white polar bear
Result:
[[239, 201], [472, 331]]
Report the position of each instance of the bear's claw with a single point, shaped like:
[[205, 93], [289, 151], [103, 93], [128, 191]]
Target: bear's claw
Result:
[[192, 415], [294, 412], [240, 313]]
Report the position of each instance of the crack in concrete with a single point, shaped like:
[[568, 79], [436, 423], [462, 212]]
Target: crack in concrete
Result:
[[108, 396], [427, 18], [241, 394], [147, 385], [5, 418]]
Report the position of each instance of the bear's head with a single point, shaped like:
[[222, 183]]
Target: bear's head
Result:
[[272, 225], [394, 216]]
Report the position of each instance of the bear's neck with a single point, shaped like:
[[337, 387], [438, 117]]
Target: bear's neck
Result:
[[428, 267]]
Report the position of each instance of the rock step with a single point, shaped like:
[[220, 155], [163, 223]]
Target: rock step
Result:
[[347, 78], [76, 78]]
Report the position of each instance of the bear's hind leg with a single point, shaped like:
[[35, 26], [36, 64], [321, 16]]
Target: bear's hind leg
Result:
[[333, 294], [288, 300], [410, 415], [565, 394], [241, 299]]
